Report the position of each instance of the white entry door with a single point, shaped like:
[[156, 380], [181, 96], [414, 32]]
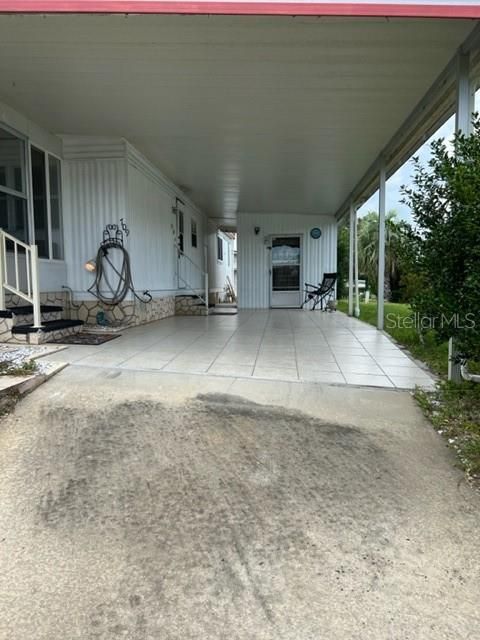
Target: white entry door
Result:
[[286, 268]]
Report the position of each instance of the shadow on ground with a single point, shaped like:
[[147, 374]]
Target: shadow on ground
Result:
[[222, 518]]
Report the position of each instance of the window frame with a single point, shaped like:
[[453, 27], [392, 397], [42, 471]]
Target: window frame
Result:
[[220, 253], [49, 155], [193, 233], [46, 154], [27, 193], [181, 230], [26, 176]]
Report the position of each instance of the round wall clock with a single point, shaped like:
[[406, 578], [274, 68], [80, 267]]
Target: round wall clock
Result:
[[316, 233]]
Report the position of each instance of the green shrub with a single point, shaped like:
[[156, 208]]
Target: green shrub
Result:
[[445, 242]]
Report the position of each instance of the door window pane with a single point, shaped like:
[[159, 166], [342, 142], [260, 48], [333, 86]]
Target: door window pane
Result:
[[219, 248], [56, 207], [13, 216], [286, 264], [286, 278], [286, 251], [12, 161], [39, 191]]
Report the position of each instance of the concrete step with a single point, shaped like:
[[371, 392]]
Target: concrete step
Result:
[[224, 310], [53, 329], [23, 315], [27, 309]]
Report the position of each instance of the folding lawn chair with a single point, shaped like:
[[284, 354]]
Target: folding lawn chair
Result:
[[320, 293]]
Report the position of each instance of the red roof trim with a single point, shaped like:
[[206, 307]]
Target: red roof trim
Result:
[[365, 9]]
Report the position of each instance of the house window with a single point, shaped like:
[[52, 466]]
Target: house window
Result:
[[55, 177], [47, 207], [13, 185], [194, 233], [219, 249]]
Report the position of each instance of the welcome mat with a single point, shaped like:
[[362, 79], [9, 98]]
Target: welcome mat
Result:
[[86, 338]]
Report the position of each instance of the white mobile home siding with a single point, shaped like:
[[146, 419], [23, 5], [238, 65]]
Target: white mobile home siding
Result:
[[107, 180], [94, 196], [318, 256], [219, 270], [151, 198]]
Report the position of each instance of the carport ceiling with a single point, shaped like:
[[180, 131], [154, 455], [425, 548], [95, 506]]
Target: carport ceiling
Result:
[[246, 113]]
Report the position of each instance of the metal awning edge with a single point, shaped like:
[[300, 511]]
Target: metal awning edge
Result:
[[433, 110]]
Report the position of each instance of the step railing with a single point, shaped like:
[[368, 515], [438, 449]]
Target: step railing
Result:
[[203, 299], [22, 277]]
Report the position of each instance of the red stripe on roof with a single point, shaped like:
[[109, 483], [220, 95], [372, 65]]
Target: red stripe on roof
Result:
[[364, 9]]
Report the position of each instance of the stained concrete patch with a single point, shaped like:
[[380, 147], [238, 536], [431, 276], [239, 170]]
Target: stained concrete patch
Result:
[[122, 455], [217, 517]]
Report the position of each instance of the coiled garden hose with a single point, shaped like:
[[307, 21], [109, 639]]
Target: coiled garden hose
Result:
[[114, 293]]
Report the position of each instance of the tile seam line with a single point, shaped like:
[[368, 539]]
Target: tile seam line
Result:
[[190, 343], [250, 378], [330, 348], [229, 340]]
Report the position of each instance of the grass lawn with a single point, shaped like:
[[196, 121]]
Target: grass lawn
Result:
[[433, 354], [453, 409]]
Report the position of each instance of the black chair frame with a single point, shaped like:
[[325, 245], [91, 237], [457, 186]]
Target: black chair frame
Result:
[[322, 293]]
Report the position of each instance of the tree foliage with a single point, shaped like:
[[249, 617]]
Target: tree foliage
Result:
[[444, 245], [342, 262], [395, 234]]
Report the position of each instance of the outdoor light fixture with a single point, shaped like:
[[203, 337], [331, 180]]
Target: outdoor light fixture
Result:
[[90, 265], [257, 230]]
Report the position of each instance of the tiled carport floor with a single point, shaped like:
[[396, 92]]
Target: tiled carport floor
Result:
[[289, 345]]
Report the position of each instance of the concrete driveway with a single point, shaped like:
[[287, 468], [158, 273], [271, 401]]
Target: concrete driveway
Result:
[[133, 507]]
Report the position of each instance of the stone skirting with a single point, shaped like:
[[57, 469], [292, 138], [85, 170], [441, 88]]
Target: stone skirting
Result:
[[189, 306], [128, 313], [6, 334]]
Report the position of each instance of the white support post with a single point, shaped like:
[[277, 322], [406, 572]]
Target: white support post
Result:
[[463, 122], [2, 273], [37, 315], [205, 258], [465, 95], [353, 214], [355, 243], [381, 246]]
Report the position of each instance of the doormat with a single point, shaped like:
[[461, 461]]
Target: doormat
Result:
[[86, 338]]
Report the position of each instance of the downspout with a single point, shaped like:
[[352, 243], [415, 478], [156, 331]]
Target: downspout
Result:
[[469, 377]]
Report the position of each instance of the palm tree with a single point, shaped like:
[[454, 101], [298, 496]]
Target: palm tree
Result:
[[368, 249]]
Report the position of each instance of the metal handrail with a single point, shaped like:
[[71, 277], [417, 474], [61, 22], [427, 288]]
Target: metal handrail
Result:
[[204, 274], [191, 289], [190, 260], [32, 294]]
